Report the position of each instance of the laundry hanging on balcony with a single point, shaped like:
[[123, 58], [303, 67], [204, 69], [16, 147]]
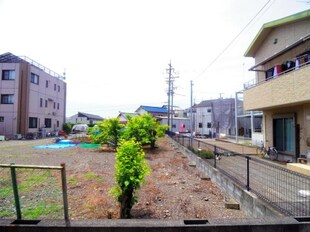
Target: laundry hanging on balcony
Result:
[[277, 70]]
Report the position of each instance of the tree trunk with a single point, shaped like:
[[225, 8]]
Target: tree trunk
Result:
[[153, 144], [126, 204], [153, 139]]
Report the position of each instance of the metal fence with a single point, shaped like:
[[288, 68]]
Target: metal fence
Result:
[[285, 190], [33, 192]]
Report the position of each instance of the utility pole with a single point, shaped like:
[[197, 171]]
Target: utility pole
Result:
[[170, 80], [191, 116]]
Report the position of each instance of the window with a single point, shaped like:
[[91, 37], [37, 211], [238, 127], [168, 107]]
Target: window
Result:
[[8, 74], [54, 105], [200, 125], [33, 122], [1, 119], [209, 124], [34, 78], [7, 99], [209, 110], [48, 123], [57, 123], [55, 87], [45, 103], [41, 102], [57, 106], [46, 83], [58, 88]]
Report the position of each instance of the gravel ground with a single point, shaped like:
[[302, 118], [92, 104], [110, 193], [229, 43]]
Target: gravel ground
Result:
[[174, 189]]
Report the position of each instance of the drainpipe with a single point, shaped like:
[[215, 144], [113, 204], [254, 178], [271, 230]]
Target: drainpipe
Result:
[[252, 124]]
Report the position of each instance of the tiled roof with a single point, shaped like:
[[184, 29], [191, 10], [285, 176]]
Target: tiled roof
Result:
[[154, 109], [209, 103], [90, 116]]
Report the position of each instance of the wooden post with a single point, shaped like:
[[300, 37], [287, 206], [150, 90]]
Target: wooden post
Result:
[[64, 191], [15, 191]]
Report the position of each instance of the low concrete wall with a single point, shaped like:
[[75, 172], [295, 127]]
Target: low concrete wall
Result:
[[144, 225], [249, 202]]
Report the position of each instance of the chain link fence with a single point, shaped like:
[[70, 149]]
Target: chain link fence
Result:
[[285, 190], [33, 192]]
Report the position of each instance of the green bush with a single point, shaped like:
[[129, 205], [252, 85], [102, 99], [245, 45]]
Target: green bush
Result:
[[207, 154], [67, 127], [130, 169]]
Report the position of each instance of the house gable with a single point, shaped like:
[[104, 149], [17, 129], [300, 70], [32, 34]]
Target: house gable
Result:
[[288, 23]]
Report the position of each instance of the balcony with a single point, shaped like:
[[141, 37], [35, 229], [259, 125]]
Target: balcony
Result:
[[288, 89]]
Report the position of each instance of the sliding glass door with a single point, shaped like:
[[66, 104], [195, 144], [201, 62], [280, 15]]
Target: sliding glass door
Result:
[[284, 134]]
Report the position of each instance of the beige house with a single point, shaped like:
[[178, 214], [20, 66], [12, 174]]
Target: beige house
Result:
[[33, 98], [123, 117], [85, 118], [282, 86]]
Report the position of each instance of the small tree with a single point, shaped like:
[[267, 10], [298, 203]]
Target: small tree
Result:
[[145, 129], [109, 130], [130, 170], [67, 127]]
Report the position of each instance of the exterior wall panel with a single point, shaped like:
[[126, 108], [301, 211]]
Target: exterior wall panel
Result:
[[287, 89], [285, 35]]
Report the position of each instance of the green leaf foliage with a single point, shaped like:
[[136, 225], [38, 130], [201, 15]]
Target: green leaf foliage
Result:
[[67, 127], [130, 170], [144, 129], [109, 130]]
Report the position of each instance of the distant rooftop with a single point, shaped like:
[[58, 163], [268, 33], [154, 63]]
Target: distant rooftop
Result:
[[90, 116], [154, 109], [11, 58]]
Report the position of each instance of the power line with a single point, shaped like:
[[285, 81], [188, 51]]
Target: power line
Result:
[[233, 40]]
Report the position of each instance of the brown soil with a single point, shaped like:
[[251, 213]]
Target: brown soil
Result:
[[174, 189]]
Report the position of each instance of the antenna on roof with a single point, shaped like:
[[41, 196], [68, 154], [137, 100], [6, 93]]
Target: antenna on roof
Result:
[[64, 73]]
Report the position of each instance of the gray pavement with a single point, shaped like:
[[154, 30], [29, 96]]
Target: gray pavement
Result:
[[235, 147]]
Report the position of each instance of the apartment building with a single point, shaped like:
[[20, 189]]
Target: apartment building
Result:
[[281, 50], [33, 98], [218, 116]]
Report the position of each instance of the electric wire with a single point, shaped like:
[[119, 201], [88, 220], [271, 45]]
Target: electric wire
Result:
[[233, 40]]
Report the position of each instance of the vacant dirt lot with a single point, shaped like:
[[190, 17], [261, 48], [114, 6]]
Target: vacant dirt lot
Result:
[[174, 190]]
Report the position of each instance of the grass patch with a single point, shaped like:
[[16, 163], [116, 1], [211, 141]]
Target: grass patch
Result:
[[31, 182], [6, 192], [41, 209], [73, 182], [5, 213], [93, 176]]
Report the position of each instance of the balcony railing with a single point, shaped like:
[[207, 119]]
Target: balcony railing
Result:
[[42, 67], [254, 82]]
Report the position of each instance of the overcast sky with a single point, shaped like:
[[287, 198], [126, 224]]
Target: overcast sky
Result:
[[115, 53]]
